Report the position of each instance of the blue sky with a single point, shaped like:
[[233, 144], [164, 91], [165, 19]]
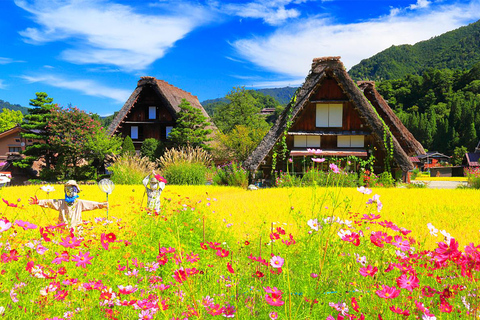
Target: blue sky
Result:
[[92, 53]]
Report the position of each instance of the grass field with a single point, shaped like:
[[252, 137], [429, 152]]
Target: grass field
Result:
[[286, 253]]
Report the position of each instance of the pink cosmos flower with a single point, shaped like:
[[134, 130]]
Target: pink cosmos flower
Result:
[[364, 190], [41, 249], [222, 253], [376, 199], [272, 290], [10, 204], [314, 151], [274, 299], [277, 261], [230, 268], [193, 257], [61, 295], [5, 225], [445, 252], [401, 244], [126, 289], [70, 242], [61, 257], [82, 259], [368, 271], [313, 223], [400, 311], [370, 217], [229, 311], [25, 224], [408, 282], [103, 240], [273, 315], [334, 168], [388, 292], [318, 160], [215, 310], [180, 275]]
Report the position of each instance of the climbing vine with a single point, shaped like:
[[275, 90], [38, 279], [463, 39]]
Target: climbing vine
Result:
[[282, 143]]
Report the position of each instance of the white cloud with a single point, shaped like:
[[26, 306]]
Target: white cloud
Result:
[[2, 84], [420, 4], [290, 49], [87, 87], [8, 60], [273, 12], [108, 33]]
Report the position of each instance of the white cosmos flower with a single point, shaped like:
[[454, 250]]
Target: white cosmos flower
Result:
[[48, 188], [433, 230], [447, 236], [313, 223]]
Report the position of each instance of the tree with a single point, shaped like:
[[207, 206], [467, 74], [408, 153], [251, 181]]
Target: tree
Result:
[[458, 155], [80, 141], [191, 127], [243, 109], [239, 143], [9, 119], [36, 128], [127, 146], [152, 149]]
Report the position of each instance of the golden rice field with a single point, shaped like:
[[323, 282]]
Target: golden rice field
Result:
[[253, 213]]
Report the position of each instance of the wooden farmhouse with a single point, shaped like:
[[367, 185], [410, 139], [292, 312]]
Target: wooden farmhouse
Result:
[[151, 111], [342, 118]]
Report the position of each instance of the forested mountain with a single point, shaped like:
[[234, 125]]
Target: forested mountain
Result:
[[8, 105], [281, 97], [440, 107], [458, 49]]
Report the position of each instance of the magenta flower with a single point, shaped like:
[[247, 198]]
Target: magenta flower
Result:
[[334, 168], [318, 160], [274, 299], [400, 311], [370, 217], [9, 204], [126, 289], [61, 257], [41, 249], [273, 315], [368, 271], [5, 225], [401, 244], [277, 261], [376, 199], [82, 259], [388, 292], [25, 224], [70, 242], [408, 282]]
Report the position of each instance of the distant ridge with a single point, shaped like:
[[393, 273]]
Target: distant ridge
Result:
[[8, 105], [456, 49], [282, 95]]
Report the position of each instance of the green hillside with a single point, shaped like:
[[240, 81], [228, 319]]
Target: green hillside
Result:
[[458, 49], [8, 105]]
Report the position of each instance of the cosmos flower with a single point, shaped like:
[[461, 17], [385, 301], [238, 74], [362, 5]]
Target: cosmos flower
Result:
[[364, 190], [408, 282], [368, 271], [388, 292], [5, 225], [70, 242], [277, 261], [82, 259], [318, 160], [334, 168], [47, 188], [313, 223]]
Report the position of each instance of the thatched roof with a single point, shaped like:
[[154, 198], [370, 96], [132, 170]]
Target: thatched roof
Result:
[[171, 95], [408, 142], [321, 69]]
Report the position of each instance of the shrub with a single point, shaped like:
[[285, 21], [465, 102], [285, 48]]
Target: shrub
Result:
[[385, 179], [286, 179], [231, 174], [127, 146], [473, 176], [130, 169], [185, 173], [184, 155], [152, 149], [415, 173]]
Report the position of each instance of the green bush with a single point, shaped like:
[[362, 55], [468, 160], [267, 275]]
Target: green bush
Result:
[[231, 174], [385, 179], [415, 173], [130, 169], [127, 146], [318, 177], [152, 149], [185, 173]]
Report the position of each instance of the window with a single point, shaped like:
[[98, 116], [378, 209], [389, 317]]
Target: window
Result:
[[14, 149], [306, 141], [329, 115], [168, 130], [350, 141], [17, 140], [152, 112], [134, 132]]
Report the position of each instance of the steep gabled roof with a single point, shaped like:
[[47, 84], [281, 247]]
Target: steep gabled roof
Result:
[[321, 69], [408, 142], [171, 95]]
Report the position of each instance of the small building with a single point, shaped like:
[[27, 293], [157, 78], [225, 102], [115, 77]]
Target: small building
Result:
[[342, 118], [151, 111], [433, 159], [472, 159]]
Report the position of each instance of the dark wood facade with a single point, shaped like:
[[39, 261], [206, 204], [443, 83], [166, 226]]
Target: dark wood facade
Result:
[[151, 111]]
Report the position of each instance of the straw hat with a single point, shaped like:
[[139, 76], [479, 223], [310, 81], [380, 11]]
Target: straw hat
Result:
[[72, 183]]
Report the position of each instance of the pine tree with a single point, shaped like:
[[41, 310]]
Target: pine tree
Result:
[[191, 127], [36, 129]]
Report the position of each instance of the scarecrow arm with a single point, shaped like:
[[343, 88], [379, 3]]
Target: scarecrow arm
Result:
[[92, 205]]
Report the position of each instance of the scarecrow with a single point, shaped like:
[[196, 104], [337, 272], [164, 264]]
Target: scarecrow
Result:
[[69, 209], [154, 185]]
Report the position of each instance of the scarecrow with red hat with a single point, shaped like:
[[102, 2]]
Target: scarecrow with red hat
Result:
[[69, 209], [154, 185]]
